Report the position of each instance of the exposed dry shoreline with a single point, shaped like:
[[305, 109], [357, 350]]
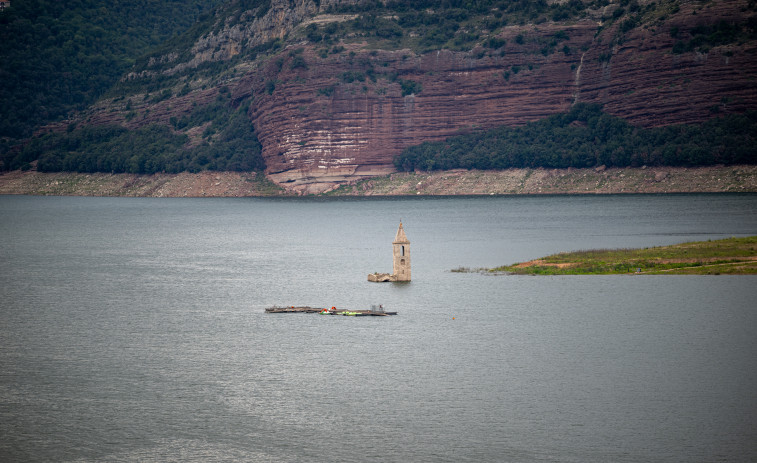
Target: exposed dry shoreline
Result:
[[716, 179]]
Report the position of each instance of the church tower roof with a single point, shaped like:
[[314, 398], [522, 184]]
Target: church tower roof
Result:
[[401, 238]]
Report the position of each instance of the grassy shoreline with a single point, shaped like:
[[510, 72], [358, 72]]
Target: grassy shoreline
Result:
[[733, 256]]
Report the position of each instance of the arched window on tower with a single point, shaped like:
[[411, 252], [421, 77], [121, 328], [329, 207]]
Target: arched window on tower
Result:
[[403, 250]]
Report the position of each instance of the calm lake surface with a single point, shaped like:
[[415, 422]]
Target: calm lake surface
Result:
[[134, 330]]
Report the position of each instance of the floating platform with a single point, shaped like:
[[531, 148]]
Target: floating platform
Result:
[[373, 312]]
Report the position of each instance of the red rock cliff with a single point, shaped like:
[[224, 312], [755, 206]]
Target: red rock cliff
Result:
[[319, 129], [326, 121]]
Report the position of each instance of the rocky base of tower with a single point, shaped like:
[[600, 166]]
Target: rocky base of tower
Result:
[[382, 277]]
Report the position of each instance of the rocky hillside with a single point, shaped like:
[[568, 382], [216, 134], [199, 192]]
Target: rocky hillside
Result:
[[335, 93]]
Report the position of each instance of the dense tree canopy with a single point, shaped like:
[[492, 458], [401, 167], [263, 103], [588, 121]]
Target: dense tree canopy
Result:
[[229, 144], [59, 56], [588, 137]]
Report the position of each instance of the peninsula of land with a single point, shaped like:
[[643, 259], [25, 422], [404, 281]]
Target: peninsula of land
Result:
[[599, 180], [735, 256]]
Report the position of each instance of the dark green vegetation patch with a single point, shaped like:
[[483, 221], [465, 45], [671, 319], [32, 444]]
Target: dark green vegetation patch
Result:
[[703, 37], [588, 137], [229, 144], [58, 56]]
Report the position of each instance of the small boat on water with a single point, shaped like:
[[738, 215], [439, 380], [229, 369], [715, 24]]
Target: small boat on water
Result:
[[375, 311], [347, 313]]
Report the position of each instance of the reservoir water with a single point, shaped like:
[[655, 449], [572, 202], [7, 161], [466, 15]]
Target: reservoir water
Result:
[[134, 330]]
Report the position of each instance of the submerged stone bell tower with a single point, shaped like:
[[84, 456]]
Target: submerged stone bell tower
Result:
[[401, 260], [401, 253]]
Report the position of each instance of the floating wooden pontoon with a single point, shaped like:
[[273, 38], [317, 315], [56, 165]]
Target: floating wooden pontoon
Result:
[[375, 311]]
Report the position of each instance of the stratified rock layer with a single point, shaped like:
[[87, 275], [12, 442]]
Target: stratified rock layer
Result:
[[319, 130], [327, 121]]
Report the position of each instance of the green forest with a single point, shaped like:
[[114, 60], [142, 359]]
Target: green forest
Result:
[[58, 56], [150, 149], [588, 137]]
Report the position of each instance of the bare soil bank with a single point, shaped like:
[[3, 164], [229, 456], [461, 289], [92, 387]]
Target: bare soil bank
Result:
[[203, 184], [717, 179], [562, 181]]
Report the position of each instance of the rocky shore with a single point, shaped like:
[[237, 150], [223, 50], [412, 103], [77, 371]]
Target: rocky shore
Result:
[[715, 179], [203, 184]]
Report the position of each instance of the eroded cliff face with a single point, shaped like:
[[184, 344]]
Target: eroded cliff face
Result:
[[322, 126], [329, 119], [645, 82]]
